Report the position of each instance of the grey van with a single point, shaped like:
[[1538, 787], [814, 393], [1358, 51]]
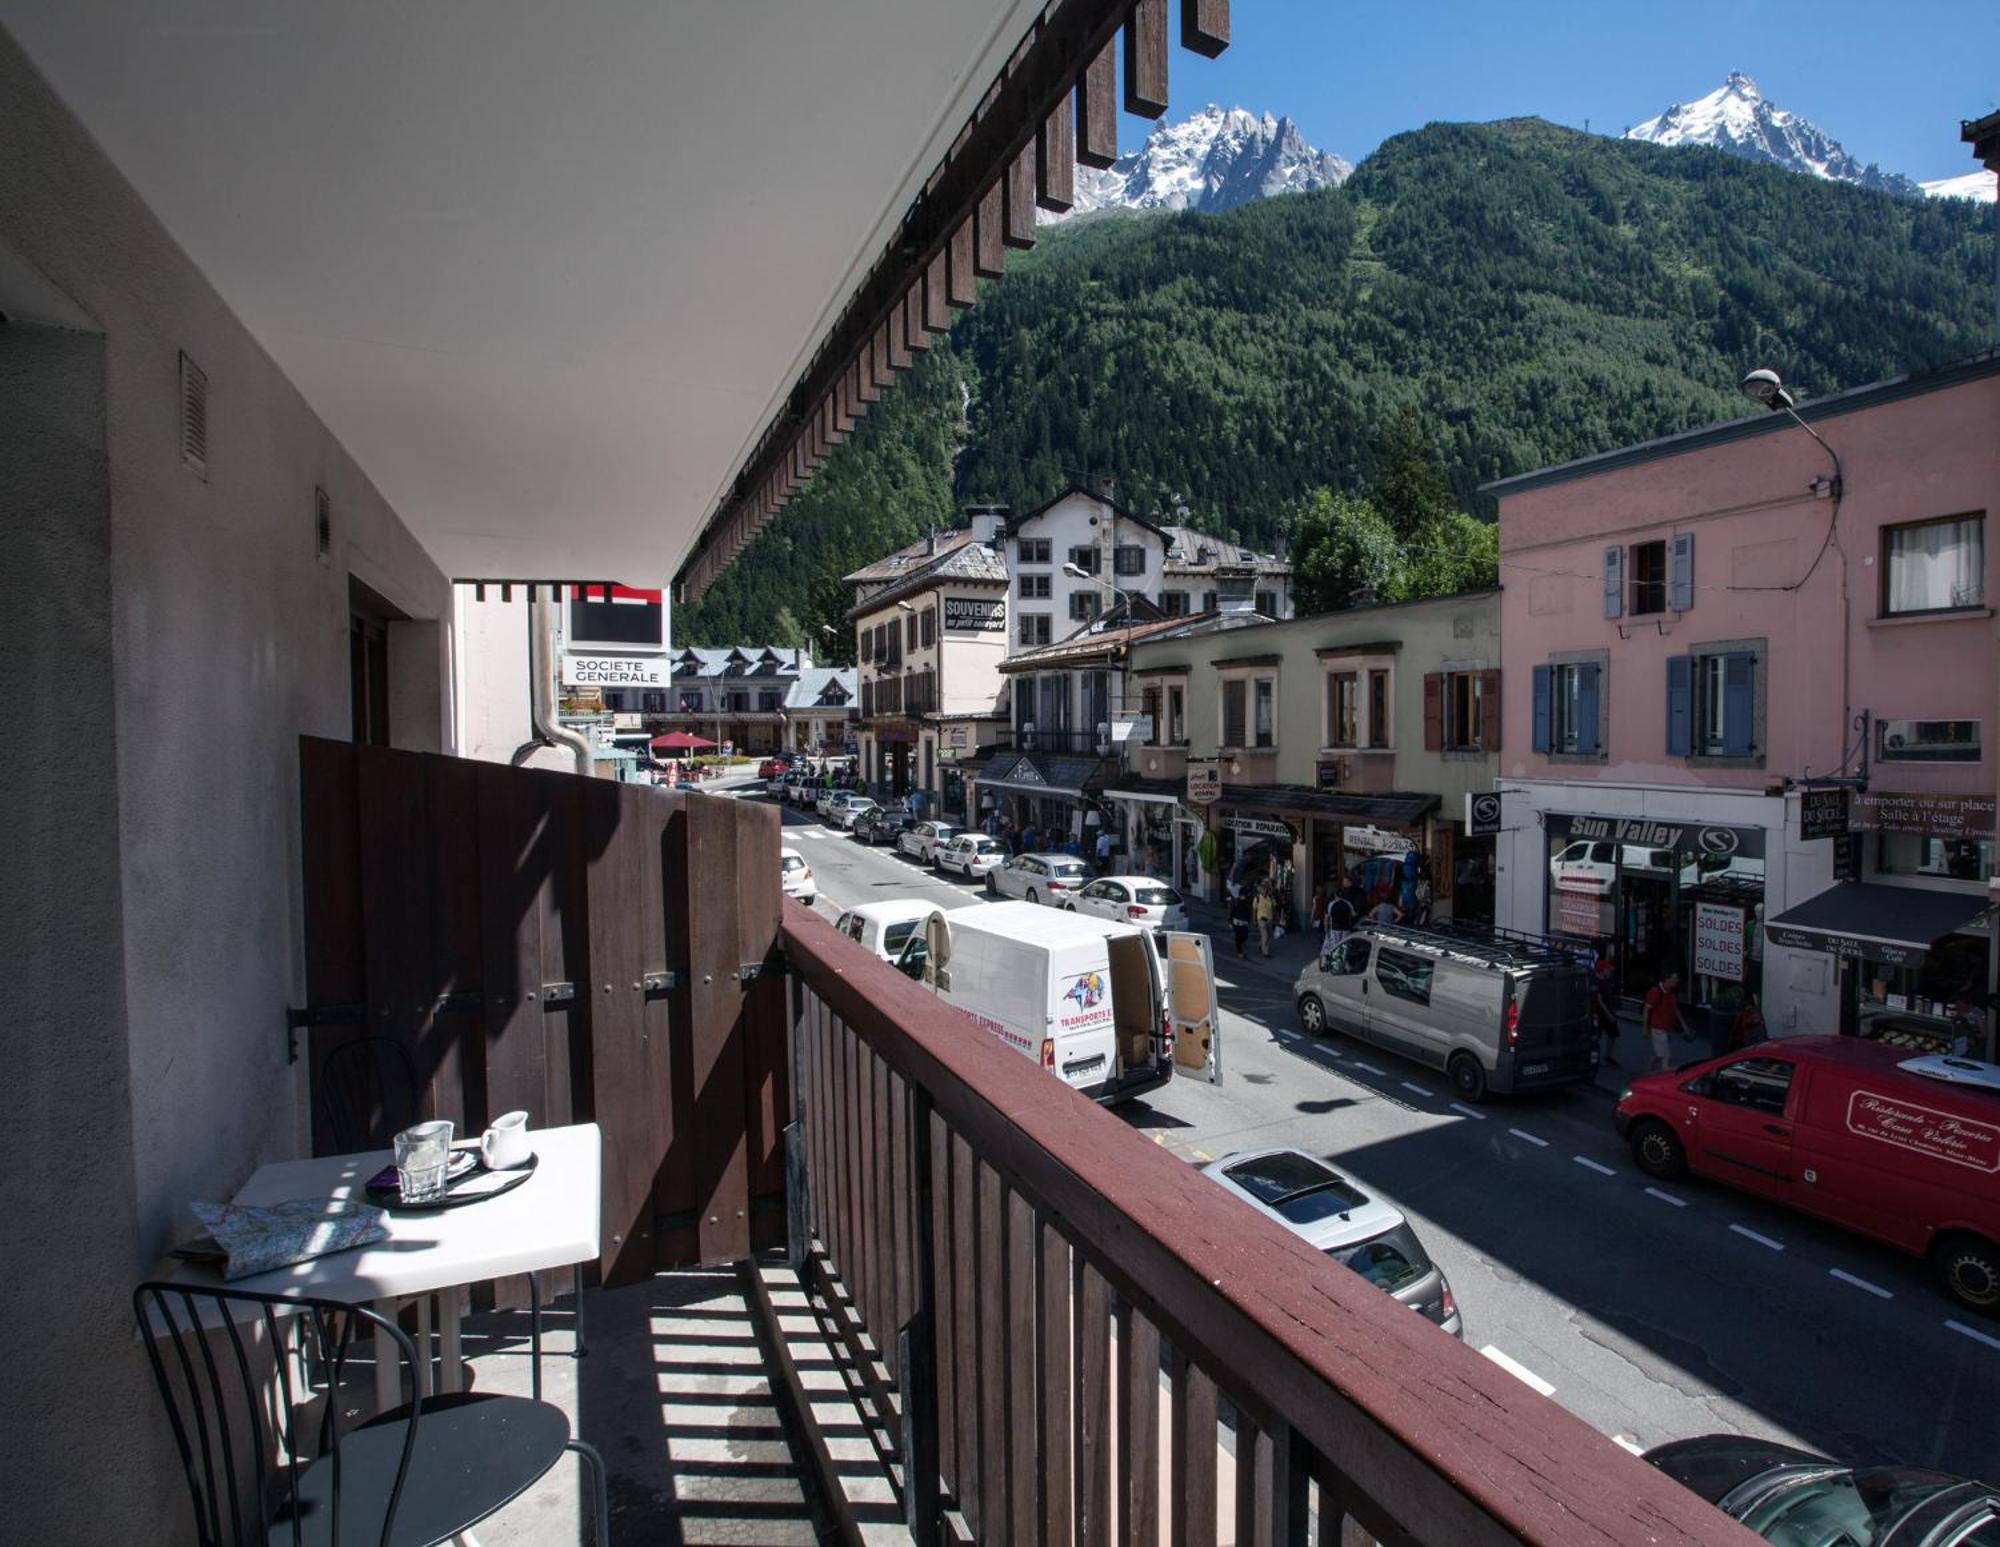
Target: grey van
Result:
[[1496, 1012]]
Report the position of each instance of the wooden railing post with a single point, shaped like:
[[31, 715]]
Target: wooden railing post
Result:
[[917, 1350]]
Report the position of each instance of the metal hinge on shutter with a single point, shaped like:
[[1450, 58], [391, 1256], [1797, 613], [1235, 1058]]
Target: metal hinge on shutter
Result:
[[194, 417]]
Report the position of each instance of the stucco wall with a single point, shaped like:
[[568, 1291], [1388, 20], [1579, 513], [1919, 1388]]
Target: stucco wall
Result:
[[210, 635], [495, 715]]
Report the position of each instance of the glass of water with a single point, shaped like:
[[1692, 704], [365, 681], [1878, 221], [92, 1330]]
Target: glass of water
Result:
[[423, 1154]]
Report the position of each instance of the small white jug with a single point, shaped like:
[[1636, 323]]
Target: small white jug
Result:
[[504, 1145]]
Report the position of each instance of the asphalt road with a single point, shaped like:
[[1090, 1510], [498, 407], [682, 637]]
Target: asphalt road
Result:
[[1652, 1312]]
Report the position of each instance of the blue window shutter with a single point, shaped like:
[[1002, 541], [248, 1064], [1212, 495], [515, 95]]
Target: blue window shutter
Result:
[[1680, 573], [1614, 582], [1739, 682], [1541, 709], [1586, 708], [1680, 704]]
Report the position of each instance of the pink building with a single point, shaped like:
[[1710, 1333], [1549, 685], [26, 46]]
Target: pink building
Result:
[[1707, 627]]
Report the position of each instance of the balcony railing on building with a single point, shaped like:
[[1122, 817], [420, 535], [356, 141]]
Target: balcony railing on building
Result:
[[1067, 742]]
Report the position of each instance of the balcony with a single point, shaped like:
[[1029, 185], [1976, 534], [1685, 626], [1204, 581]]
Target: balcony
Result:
[[1071, 743]]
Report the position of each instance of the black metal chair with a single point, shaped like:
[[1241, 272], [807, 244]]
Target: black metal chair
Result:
[[261, 1469], [368, 1092]]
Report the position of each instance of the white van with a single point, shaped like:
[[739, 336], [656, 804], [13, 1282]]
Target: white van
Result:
[[884, 928], [1111, 1009]]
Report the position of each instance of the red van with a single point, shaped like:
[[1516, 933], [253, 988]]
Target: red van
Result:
[[1900, 1147]]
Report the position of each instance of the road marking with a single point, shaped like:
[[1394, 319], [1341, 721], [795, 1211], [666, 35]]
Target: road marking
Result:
[[1421, 1090], [1761, 1240], [1459, 1106], [1520, 1372], [1667, 1197], [1369, 1067], [1522, 1133], [1975, 1334], [1629, 1444], [1584, 1160], [1861, 1283]]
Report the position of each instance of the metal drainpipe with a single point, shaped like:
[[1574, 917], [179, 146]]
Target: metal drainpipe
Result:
[[542, 681]]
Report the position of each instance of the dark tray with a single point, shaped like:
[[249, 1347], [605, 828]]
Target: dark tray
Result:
[[389, 1196]]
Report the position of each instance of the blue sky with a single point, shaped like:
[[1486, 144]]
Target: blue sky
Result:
[[1889, 79]]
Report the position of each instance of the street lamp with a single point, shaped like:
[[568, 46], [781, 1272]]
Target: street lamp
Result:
[[1763, 386], [1078, 572]]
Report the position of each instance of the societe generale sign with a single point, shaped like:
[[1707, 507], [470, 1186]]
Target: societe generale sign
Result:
[[615, 671]]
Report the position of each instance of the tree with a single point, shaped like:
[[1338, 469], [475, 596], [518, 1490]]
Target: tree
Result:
[[1453, 552], [1409, 486], [1345, 553]]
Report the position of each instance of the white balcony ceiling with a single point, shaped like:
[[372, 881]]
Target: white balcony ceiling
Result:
[[545, 268]]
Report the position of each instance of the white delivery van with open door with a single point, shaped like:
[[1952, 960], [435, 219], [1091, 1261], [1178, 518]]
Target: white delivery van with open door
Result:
[[1111, 1009]]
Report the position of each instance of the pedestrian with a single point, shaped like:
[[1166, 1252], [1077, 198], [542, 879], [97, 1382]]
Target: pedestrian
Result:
[[1603, 990], [1384, 912], [1747, 1024], [1663, 1017], [1266, 915], [1340, 917], [1104, 849], [1239, 919], [1319, 909]]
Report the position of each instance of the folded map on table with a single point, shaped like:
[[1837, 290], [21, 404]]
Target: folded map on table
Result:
[[259, 1238]]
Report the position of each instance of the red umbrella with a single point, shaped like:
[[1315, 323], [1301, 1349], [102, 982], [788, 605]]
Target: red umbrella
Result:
[[676, 741]]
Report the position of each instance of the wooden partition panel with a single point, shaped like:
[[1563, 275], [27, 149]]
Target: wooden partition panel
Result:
[[586, 950]]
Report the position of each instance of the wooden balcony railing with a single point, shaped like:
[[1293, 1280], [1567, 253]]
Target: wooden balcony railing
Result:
[[1083, 1339]]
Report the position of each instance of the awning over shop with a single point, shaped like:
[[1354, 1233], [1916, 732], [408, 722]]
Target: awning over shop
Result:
[[1891, 924], [1165, 792], [1390, 810], [1023, 787]]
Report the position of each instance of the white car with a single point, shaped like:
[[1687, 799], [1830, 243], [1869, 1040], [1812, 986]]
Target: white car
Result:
[[971, 854], [1049, 878], [1135, 899], [796, 876], [1592, 865], [885, 928], [844, 807], [806, 791], [925, 839]]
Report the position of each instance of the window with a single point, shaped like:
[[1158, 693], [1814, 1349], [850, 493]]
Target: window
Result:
[[1348, 959], [1389, 1261], [1343, 709], [1263, 700], [1177, 715], [910, 630], [1267, 603], [1378, 708], [1032, 550], [1404, 976], [691, 703], [614, 699], [1649, 577], [1128, 559], [1035, 628], [1909, 854], [1235, 694], [1035, 587], [1085, 559], [1462, 711], [1208, 601], [1085, 605], [655, 703], [768, 703], [1759, 1083], [930, 627], [1712, 704], [739, 703], [1927, 741], [1568, 703], [1934, 566], [1174, 604], [864, 645], [1149, 706]]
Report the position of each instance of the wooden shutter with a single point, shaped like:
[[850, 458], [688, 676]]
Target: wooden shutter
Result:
[[1541, 736], [1233, 693], [1680, 573], [1739, 703], [1433, 711], [1588, 697], [1614, 582], [1680, 704], [1489, 711]]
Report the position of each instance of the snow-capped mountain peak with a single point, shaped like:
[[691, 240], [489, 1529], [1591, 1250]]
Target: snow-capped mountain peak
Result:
[[1215, 160], [1737, 118], [1973, 185]]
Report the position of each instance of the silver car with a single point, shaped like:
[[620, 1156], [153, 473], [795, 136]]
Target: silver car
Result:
[[844, 807], [1049, 878], [1133, 900], [925, 839], [1368, 1235], [971, 854]]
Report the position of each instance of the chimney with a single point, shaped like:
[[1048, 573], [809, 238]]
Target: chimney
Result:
[[985, 522], [1983, 135], [1105, 487]]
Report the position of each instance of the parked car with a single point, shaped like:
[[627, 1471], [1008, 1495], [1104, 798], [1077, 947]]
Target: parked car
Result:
[[807, 791], [1361, 1231], [1899, 1147], [886, 928], [925, 839], [1591, 865], [772, 767], [1495, 1013], [1136, 899], [971, 854], [1110, 1009], [1049, 878], [882, 824], [1793, 1496], [845, 807], [796, 876], [778, 786]]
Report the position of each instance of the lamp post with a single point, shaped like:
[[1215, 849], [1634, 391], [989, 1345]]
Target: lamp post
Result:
[[1078, 572]]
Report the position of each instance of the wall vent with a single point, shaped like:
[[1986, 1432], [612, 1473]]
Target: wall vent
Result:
[[322, 524], [194, 417]]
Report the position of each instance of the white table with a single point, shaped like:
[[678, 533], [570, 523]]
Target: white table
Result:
[[549, 1221]]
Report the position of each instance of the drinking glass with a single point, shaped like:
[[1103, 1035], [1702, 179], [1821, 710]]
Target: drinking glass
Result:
[[423, 1154]]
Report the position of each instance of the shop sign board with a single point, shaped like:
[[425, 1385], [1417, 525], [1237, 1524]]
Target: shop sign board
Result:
[[1847, 857], [1851, 946], [1579, 912], [1930, 816], [1482, 813], [1204, 783], [1261, 827], [977, 614], [1132, 727], [1823, 813], [616, 671], [1648, 833], [1718, 941]]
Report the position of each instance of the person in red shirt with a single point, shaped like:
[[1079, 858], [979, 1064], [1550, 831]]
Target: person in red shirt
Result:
[[1663, 1016]]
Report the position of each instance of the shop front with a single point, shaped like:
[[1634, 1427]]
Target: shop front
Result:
[[1327, 837], [1159, 832], [1035, 793], [1662, 896]]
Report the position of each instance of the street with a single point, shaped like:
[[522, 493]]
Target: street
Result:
[[1653, 1312]]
